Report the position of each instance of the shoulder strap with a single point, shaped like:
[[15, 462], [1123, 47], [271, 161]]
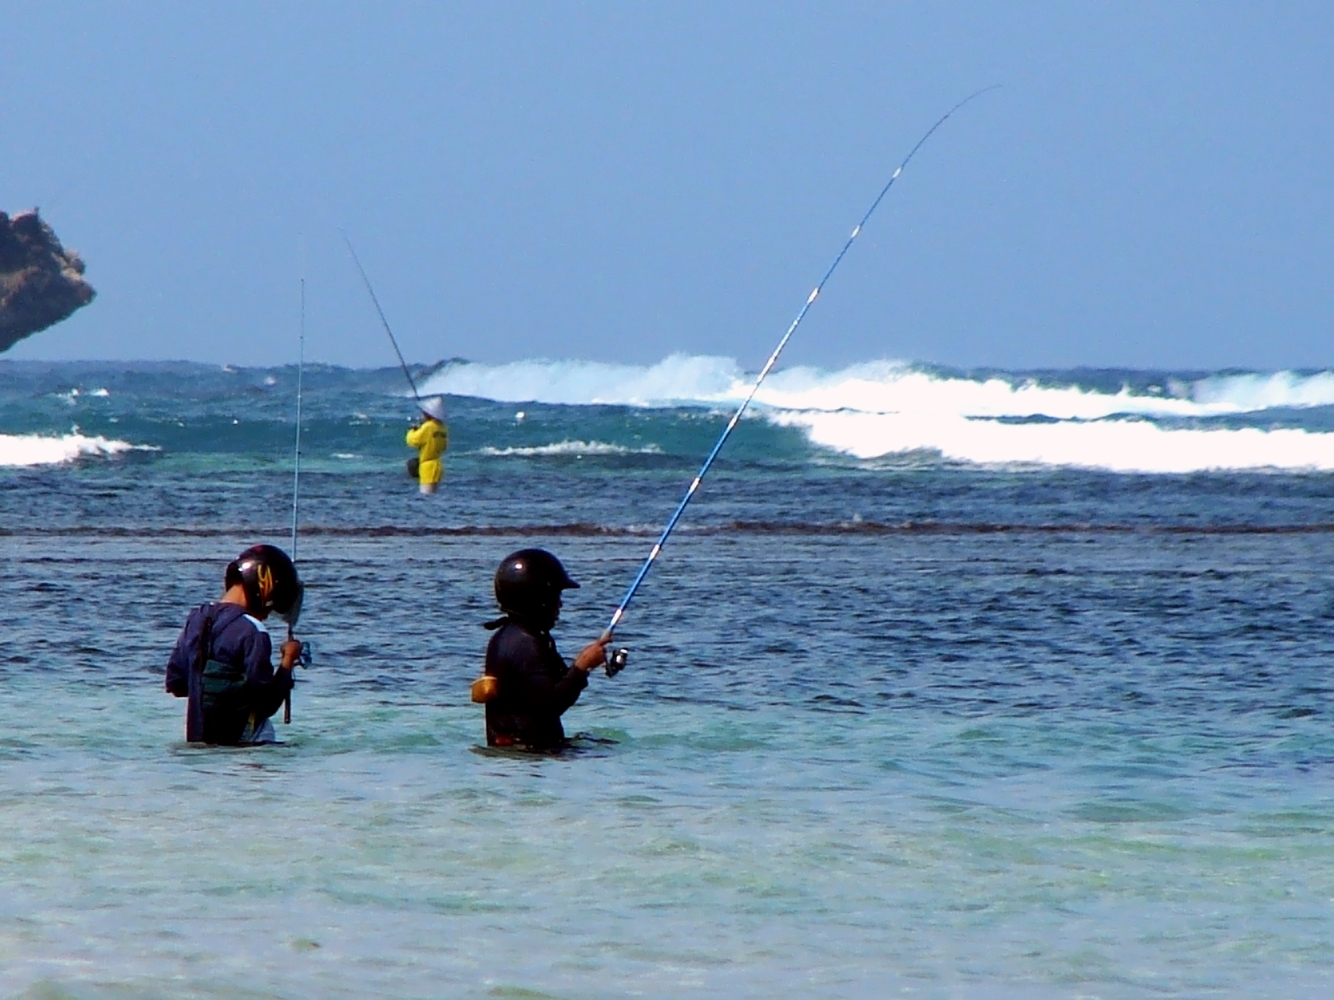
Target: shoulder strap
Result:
[[205, 637]]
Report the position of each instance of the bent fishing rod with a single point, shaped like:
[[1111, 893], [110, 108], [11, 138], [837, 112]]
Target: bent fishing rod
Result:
[[367, 281], [616, 660]]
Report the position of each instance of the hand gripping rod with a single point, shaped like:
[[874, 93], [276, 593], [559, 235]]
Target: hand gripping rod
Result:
[[402, 364], [736, 417]]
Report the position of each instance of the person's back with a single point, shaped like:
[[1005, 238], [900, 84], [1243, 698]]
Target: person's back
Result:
[[534, 687], [526, 686], [431, 439], [221, 662]]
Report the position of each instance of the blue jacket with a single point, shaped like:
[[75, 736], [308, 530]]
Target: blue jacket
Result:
[[231, 683]]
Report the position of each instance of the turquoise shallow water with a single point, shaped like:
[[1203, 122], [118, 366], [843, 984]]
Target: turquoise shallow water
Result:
[[839, 825], [911, 730]]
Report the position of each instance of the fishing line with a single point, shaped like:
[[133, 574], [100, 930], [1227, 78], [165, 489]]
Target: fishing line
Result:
[[402, 364], [617, 660]]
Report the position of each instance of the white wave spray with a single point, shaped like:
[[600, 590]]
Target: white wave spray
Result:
[[883, 408], [24, 450]]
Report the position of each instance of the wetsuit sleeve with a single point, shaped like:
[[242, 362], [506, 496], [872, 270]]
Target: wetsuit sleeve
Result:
[[265, 687], [538, 691], [178, 664]]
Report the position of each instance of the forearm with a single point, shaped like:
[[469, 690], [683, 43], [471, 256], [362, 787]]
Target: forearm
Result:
[[566, 691]]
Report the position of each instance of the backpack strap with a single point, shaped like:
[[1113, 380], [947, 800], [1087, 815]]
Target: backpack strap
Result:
[[205, 637], [194, 713]]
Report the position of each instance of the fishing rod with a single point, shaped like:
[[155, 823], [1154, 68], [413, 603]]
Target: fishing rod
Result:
[[296, 455], [616, 660], [402, 364], [296, 480]]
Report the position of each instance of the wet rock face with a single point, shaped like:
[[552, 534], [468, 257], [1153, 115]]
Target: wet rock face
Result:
[[41, 282]]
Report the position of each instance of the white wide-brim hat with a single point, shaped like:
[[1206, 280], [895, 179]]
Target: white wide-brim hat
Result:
[[434, 407]]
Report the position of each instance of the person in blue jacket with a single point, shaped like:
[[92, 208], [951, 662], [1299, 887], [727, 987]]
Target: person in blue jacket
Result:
[[222, 660], [527, 686]]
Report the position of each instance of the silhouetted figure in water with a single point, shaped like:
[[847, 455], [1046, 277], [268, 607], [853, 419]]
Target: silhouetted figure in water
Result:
[[527, 686]]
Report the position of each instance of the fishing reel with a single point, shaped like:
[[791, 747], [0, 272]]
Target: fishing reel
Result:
[[307, 655], [616, 661]]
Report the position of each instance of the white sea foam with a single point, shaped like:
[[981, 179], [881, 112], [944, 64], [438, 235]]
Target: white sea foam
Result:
[[572, 448], [875, 387], [38, 449], [885, 407], [1265, 391], [1117, 445]]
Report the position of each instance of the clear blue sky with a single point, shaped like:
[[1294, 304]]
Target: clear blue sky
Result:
[[1153, 187]]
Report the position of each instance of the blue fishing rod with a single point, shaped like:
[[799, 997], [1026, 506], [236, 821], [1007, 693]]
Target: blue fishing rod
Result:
[[616, 660]]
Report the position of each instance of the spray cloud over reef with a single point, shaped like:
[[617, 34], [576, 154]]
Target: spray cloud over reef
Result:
[[1121, 421]]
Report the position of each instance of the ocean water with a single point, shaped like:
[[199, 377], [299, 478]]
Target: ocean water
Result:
[[952, 684]]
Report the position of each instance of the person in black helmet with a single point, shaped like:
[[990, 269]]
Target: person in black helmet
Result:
[[530, 685], [221, 662]]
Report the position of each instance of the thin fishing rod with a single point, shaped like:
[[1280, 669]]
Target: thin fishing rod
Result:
[[402, 364], [296, 462], [296, 455], [745, 403]]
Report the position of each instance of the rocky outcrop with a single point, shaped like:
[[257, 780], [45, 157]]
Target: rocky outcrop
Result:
[[41, 282]]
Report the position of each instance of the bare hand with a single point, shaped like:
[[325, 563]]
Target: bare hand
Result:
[[291, 650], [593, 655]]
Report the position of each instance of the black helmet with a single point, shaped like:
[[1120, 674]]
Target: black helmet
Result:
[[269, 580], [529, 582]]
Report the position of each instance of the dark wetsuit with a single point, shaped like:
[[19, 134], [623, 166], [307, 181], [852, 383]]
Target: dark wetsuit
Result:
[[534, 687], [231, 686]]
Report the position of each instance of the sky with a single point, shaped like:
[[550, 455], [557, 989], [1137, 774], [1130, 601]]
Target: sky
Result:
[[1151, 187]]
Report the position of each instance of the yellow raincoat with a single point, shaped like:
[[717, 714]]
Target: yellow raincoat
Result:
[[431, 440]]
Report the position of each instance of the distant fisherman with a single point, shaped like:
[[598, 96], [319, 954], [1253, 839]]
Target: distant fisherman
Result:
[[431, 439], [221, 662], [527, 686]]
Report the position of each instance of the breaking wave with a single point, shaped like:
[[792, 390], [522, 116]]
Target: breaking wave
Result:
[[1115, 445], [1143, 422], [876, 386], [22, 450]]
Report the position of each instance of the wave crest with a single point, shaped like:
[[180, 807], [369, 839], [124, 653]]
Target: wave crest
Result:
[[874, 387], [1114, 445], [25, 450], [883, 408]]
